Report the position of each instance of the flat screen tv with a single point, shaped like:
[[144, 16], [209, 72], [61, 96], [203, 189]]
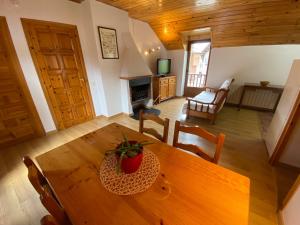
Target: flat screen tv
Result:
[[163, 66]]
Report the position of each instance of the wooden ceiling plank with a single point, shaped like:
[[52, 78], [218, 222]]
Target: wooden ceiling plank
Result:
[[239, 22]]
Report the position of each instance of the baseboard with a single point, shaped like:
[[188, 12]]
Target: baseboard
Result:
[[280, 218], [117, 115], [231, 104], [284, 165], [51, 132]]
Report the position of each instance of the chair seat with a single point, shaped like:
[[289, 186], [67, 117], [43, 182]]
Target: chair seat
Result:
[[204, 96]]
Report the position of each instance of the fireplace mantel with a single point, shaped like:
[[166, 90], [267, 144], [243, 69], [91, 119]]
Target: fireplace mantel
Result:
[[134, 78]]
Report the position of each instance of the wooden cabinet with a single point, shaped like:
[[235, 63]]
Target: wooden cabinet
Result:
[[164, 88]]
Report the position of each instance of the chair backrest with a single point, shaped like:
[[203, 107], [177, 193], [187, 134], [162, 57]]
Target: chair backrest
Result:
[[151, 131], [54, 208], [35, 177], [217, 140], [47, 197], [48, 220]]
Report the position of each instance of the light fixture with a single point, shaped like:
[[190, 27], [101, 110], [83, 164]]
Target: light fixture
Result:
[[205, 2], [152, 50], [165, 29]]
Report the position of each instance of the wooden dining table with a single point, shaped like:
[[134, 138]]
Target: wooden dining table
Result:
[[187, 191]]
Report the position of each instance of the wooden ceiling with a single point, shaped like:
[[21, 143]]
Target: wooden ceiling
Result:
[[233, 22]]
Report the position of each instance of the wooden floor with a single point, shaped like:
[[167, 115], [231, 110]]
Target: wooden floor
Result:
[[244, 152]]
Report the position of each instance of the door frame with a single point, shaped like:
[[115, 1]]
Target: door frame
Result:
[[286, 133], [188, 65], [26, 23], [37, 123]]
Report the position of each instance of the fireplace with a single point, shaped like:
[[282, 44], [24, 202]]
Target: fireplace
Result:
[[140, 89], [137, 94]]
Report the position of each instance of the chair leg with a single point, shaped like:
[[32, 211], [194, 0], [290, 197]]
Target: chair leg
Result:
[[187, 113], [213, 119]]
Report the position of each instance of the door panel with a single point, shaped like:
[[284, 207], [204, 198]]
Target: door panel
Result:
[[172, 89], [164, 91], [56, 51], [18, 118]]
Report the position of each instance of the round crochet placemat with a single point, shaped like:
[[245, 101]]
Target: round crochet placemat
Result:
[[133, 183]]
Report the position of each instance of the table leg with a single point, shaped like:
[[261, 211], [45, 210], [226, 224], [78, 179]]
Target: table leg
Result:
[[241, 99]]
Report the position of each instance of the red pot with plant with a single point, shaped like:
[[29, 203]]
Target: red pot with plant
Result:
[[129, 155]]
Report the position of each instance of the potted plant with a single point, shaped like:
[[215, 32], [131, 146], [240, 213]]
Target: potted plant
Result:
[[129, 155]]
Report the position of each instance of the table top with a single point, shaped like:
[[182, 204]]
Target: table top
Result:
[[258, 86], [188, 190]]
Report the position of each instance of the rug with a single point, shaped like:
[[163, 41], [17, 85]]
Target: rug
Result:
[[146, 110]]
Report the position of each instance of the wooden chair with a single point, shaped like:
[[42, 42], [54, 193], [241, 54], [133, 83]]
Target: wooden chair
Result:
[[35, 177], [218, 140], [47, 197], [54, 208], [48, 220], [151, 131]]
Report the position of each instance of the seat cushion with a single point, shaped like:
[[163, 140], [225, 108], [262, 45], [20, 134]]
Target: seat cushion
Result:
[[204, 96]]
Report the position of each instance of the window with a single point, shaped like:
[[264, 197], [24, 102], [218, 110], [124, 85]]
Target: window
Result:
[[198, 64]]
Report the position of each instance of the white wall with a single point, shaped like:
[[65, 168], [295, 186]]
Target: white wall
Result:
[[251, 64], [285, 106], [290, 213], [54, 10], [103, 74], [247, 63], [145, 39], [178, 68], [291, 154], [107, 16]]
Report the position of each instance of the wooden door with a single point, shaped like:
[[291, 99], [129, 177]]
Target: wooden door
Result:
[[19, 120], [56, 51], [197, 67], [172, 87], [164, 86]]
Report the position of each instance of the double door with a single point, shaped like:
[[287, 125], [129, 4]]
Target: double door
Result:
[[164, 88], [167, 88], [56, 52]]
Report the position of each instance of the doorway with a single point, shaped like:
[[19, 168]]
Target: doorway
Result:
[[57, 55], [19, 120], [197, 67]]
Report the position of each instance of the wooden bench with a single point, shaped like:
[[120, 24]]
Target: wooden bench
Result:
[[209, 102]]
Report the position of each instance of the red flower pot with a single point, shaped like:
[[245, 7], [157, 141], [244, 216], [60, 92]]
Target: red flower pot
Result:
[[130, 165]]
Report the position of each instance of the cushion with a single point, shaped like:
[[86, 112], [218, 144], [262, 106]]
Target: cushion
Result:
[[226, 84], [204, 96]]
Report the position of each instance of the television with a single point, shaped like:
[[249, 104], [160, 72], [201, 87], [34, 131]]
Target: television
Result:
[[163, 66]]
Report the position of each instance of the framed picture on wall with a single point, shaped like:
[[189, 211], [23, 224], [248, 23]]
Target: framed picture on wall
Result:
[[108, 42]]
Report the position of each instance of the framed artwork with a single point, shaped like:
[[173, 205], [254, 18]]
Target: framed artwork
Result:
[[108, 42]]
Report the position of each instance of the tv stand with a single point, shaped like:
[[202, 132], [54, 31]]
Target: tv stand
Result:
[[164, 88]]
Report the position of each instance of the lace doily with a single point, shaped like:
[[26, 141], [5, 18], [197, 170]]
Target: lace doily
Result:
[[133, 183]]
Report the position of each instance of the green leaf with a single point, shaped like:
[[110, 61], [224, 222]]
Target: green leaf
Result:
[[132, 154]]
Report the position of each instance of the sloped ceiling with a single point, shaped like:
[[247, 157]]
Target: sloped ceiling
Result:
[[232, 22]]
